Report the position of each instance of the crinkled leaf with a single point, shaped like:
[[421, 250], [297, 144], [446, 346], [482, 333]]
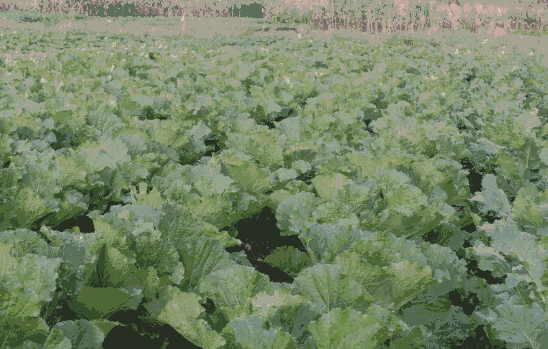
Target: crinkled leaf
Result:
[[483, 144], [368, 275], [291, 315], [30, 208], [294, 214], [153, 251], [529, 205], [445, 325], [198, 133], [412, 337], [101, 302], [232, 288], [405, 198], [528, 120], [172, 133], [492, 198], [263, 145], [489, 259], [127, 218], [179, 223], [263, 302], [79, 333], [248, 332], [330, 239], [326, 287], [202, 257], [409, 280], [326, 185], [26, 287], [509, 240], [181, 310], [289, 259], [208, 180], [346, 329], [284, 174], [444, 262], [521, 326], [152, 199], [95, 157], [248, 175]]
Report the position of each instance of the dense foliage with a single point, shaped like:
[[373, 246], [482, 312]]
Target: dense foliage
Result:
[[269, 194]]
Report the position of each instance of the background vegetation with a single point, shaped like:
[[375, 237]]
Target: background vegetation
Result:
[[328, 15]]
